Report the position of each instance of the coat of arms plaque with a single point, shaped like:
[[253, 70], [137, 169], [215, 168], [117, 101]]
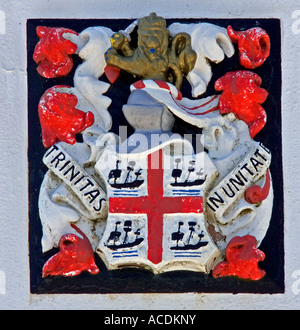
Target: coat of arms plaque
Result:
[[155, 155]]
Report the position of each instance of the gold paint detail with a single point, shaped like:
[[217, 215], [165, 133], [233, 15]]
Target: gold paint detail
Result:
[[157, 55]]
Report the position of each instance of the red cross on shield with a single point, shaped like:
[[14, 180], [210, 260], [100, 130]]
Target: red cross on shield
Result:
[[155, 205]]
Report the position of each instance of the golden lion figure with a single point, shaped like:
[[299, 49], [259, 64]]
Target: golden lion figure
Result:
[[157, 56]]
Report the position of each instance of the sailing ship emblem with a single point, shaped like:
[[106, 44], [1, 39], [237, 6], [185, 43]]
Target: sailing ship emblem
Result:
[[116, 174], [178, 236], [177, 173], [114, 241], [153, 223]]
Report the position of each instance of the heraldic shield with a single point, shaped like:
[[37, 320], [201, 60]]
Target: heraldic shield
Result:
[[156, 217]]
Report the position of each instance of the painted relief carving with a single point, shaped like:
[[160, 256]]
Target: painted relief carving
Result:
[[254, 46], [155, 200], [242, 259], [59, 118], [157, 56], [52, 53], [75, 255]]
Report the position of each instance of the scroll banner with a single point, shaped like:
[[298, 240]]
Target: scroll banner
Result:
[[232, 188], [77, 179]]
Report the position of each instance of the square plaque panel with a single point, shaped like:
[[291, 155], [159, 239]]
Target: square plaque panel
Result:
[[143, 280]]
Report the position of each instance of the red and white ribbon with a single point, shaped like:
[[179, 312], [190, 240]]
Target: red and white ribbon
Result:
[[169, 95]]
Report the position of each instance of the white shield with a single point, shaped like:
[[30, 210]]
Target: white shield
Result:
[[156, 218]]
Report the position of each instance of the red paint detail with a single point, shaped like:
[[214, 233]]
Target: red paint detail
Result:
[[165, 85], [112, 73], [75, 255], [139, 84], [242, 96], [179, 96], [162, 84], [59, 119], [155, 205], [52, 53], [242, 259], [256, 194], [188, 110], [254, 46]]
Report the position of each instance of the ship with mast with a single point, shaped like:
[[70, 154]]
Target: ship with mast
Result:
[[178, 236], [115, 175], [114, 241], [177, 174]]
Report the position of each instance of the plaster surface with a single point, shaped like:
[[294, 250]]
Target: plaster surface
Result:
[[14, 261]]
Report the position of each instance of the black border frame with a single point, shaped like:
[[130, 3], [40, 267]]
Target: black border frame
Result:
[[141, 281]]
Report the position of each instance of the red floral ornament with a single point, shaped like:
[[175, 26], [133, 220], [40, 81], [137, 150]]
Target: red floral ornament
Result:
[[256, 194], [254, 46], [242, 259], [242, 96], [52, 53], [60, 120], [75, 255]]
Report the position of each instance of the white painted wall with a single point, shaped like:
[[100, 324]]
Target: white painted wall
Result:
[[14, 266]]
